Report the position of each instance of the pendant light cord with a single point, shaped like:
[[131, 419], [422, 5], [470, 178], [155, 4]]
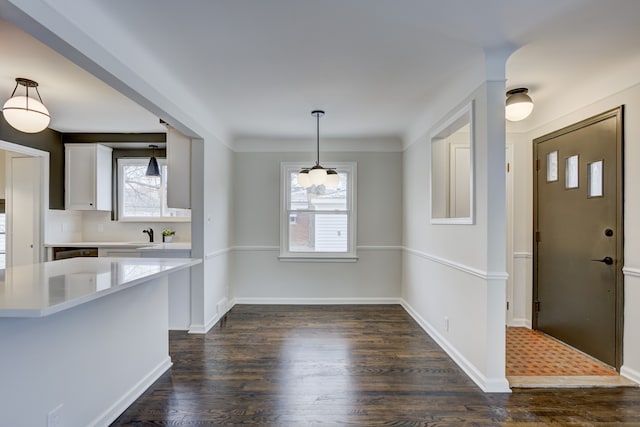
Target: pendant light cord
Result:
[[317, 138]]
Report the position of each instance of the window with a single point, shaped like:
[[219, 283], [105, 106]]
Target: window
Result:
[[317, 222], [143, 197]]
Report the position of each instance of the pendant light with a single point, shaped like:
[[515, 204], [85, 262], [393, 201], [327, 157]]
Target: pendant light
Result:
[[519, 105], [317, 175], [24, 113], [153, 169]]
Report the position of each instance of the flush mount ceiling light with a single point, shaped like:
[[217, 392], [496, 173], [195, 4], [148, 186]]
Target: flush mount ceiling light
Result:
[[317, 175], [519, 105], [153, 169], [24, 113]]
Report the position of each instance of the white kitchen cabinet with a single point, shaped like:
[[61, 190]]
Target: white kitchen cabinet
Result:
[[178, 170], [88, 177]]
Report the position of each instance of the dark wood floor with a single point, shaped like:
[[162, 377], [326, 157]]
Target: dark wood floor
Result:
[[336, 365]]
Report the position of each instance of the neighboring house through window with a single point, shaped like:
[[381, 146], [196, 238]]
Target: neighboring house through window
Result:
[[143, 197], [317, 222]]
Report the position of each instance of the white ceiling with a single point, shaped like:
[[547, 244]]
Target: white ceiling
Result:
[[259, 67]]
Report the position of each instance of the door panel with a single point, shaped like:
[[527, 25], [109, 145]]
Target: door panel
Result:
[[24, 205], [577, 296]]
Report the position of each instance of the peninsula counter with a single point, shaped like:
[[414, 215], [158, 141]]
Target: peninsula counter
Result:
[[82, 338]]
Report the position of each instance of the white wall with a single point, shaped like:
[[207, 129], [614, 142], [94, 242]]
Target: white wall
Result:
[[454, 275], [211, 198], [630, 98], [259, 276]]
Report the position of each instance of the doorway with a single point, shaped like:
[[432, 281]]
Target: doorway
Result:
[[26, 189], [578, 236]]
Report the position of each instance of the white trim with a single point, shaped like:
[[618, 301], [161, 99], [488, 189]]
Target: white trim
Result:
[[379, 248], [121, 163], [486, 275], [255, 248], [521, 323], [631, 272], [630, 373], [351, 211], [488, 385], [318, 258], [316, 301], [203, 329], [365, 248], [525, 255], [217, 253], [43, 196], [445, 130], [115, 410]]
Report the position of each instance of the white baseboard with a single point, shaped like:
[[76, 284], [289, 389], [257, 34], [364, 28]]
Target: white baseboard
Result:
[[121, 405], [488, 385], [631, 374], [316, 301], [223, 307], [520, 323]]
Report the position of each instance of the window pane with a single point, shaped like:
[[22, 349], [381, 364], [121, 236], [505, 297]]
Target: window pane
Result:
[[142, 193], [552, 166], [571, 172], [595, 179], [318, 197], [311, 232]]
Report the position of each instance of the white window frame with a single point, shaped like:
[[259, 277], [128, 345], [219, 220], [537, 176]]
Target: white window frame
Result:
[[285, 193], [136, 161]]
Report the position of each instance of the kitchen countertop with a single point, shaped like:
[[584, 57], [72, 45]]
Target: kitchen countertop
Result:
[[135, 245], [39, 290]]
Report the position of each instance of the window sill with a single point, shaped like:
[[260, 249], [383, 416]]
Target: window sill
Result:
[[288, 258]]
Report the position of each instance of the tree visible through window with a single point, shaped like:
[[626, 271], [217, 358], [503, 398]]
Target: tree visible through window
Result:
[[144, 197]]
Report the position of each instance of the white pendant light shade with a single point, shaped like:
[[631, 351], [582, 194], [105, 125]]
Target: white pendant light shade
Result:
[[317, 175], [333, 180], [24, 113], [303, 178], [519, 105]]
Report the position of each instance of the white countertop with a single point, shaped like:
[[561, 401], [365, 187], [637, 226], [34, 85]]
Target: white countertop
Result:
[[136, 245], [43, 289]]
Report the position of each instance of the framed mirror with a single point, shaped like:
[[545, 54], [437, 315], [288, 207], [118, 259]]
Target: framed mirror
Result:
[[452, 189]]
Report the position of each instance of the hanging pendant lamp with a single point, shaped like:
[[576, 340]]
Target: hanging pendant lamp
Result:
[[317, 175], [152, 168], [24, 113]]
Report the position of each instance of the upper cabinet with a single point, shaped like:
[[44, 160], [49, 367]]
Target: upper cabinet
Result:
[[87, 177], [178, 169]]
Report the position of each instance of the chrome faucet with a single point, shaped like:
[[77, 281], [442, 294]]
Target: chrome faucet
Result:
[[149, 231]]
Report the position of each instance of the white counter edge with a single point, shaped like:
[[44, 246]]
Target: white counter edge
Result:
[[37, 312]]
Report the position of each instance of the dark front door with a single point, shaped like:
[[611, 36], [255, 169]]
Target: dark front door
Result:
[[578, 236]]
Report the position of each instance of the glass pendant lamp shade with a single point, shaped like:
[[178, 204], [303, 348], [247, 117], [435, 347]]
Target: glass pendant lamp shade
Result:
[[317, 175], [333, 180], [303, 178], [152, 168], [24, 113], [519, 105]]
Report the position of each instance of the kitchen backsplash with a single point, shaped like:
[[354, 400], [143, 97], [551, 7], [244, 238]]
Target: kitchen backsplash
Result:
[[77, 226]]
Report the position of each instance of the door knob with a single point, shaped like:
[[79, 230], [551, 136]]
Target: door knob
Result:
[[607, 260]]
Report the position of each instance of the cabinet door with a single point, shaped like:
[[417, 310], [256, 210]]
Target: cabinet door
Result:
[[80, 177]]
